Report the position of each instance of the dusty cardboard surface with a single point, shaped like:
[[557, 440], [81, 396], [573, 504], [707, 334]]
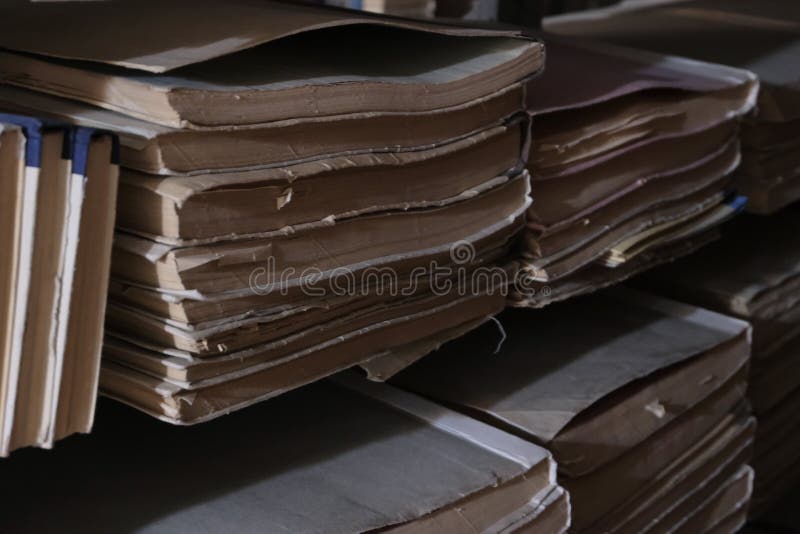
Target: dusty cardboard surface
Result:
[[297, 463], [556, 363]]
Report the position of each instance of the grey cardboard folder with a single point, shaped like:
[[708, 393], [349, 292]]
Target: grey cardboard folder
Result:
[[343, 456]]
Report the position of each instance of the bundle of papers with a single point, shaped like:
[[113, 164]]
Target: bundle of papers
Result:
[[292, 199], [762, 37], [58, 197], [332, 457], [639, 399], [753, 273], [628, 170]]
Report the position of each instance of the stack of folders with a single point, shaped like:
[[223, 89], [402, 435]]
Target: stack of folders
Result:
[[351, 456], [629, 170], [640, 400], [290, 197], [753, 272], [58, 200], [762, 37]]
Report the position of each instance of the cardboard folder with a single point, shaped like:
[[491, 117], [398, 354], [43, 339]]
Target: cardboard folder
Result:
[[316, 459], [245, 63]]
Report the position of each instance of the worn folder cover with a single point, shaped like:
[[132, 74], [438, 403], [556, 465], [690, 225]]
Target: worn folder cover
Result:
[[40, 356], [96, 167], [157, 149], [12, 170], [38, 268], [19, 168], [248, 62], [317, 459]]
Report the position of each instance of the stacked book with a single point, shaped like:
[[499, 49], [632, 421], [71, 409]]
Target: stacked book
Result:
[[762, 37], [57, 196], [290, 197], [331, 457], [629, 170], [640, 400], [753, 273]]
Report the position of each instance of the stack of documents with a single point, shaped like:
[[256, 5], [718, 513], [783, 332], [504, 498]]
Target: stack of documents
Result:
[[301, 186], [331, 457], [58, 191], [763, 37], [753, 272], [640, 400], [629, 170]]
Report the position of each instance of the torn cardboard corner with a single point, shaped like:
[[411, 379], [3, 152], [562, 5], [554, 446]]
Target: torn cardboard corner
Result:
[[385, 366]]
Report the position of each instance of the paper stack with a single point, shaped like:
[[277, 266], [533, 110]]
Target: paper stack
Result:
[[640, 400], [763, 37], [753, 272], [295, 179], [629, 170], [358, 457], [58, 197]]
